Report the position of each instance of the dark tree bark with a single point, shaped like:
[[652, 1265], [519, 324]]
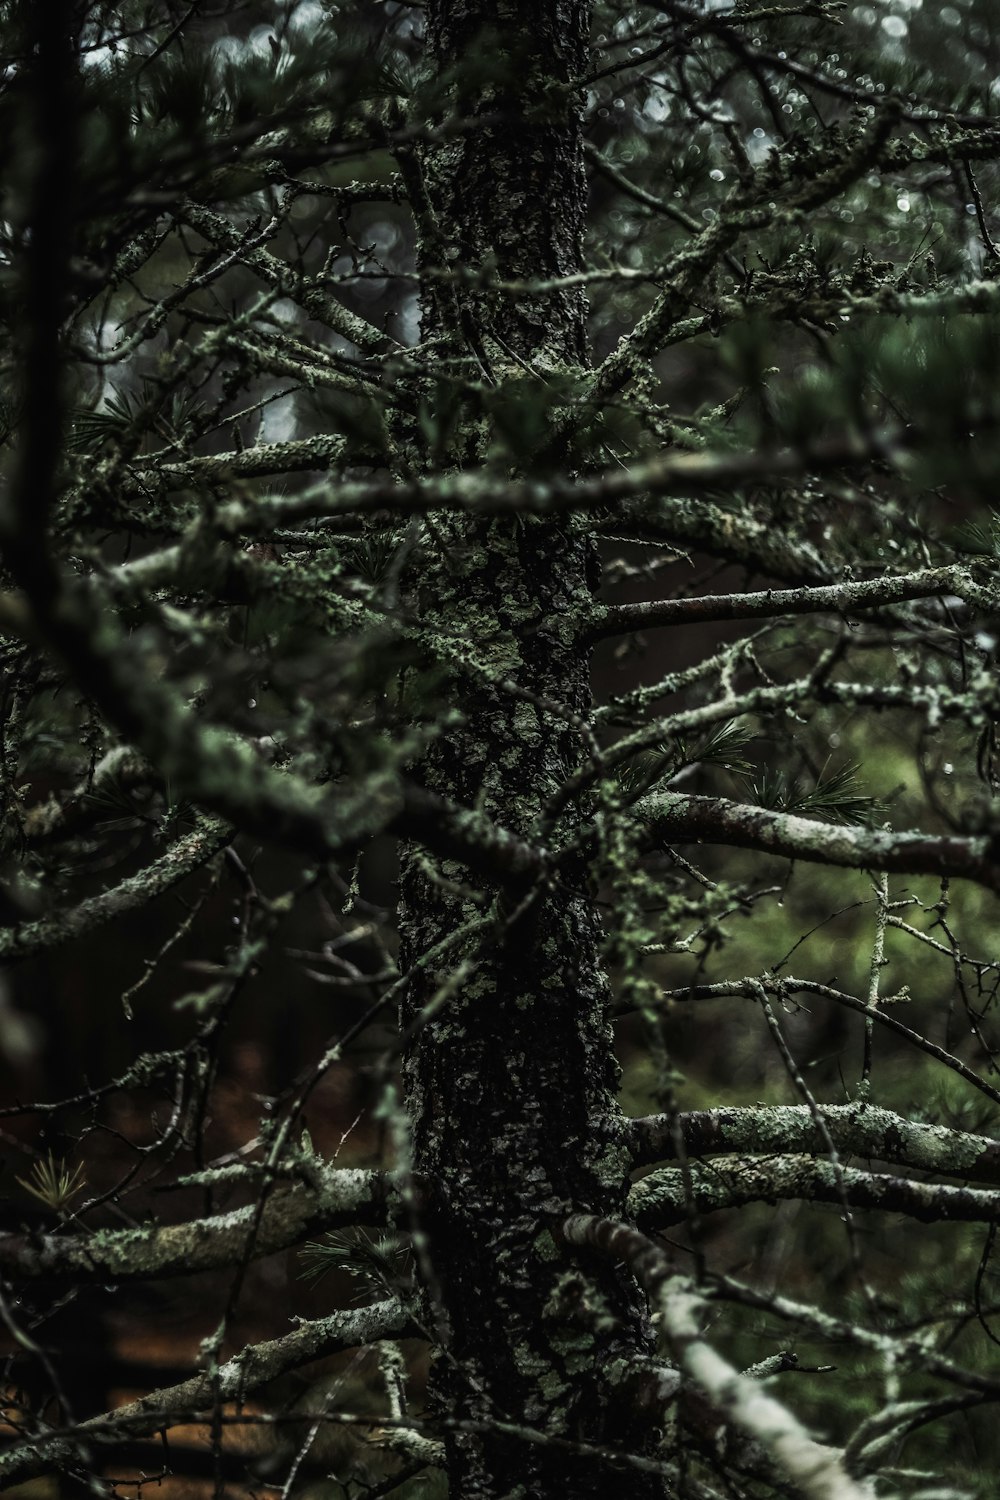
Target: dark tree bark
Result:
[[511, 1083]]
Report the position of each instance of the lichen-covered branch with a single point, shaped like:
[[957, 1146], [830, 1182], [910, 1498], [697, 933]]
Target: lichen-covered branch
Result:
[[486, 493], [220, 771], [860, 1129], [737, 536], [843, 598], [188, 854], [816, 1471], [240, 1377], [333, 1198], [661, 1198], [320, 304], [676, 817], [151, 475], [691, 264]]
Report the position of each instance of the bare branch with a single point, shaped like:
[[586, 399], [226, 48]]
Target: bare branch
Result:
[[749, 988]]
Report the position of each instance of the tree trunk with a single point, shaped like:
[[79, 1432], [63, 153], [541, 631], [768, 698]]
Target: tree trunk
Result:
[[510, 1084]]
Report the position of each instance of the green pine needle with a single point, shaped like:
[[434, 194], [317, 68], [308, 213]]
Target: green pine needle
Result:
[[55, 1183], [378, 1262], [837, 798]]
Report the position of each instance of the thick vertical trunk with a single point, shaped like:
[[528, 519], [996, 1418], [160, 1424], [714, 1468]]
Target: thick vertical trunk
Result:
[[511, 195], [511, 1084]]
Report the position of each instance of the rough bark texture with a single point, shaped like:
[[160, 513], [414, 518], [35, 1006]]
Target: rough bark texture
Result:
[[510, 197], [511, 1085]]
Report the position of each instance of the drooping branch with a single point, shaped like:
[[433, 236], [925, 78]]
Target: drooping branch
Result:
[[855, 1129], [816, 1471], [735, 536], [660, 1199], [663, 206], [254, 1367], [333, 1198]]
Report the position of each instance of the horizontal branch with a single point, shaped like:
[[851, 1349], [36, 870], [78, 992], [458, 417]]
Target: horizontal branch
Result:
[[254, 1367], [180, 860], [492, 494], [335, 1199], [843, 598], [855, 1129], [681, 818], [787, 304], [660, 1199], [154, 473]]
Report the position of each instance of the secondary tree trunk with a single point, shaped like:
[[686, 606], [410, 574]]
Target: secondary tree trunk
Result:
[[510, 1086]]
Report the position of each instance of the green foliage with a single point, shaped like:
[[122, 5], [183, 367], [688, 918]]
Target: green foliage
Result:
[[54, 1182], [978, 537], [721, 747], [377, 1263], [174, 416], [837, 797]]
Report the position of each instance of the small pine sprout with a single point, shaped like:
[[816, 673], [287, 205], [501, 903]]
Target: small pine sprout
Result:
[[723, 746], [771, 789], [54, 1184], [644, 770]]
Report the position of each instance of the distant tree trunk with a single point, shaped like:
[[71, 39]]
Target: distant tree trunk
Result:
[[511, 1085]]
